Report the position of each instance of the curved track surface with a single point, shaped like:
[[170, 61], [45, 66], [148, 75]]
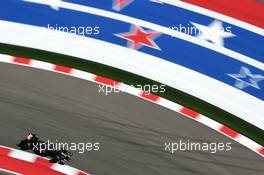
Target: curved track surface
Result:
[[131, 131]]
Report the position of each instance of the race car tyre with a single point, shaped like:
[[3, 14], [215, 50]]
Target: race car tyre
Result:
[[24, 145]]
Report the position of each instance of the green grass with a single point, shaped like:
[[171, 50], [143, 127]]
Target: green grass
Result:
[[172, 94]]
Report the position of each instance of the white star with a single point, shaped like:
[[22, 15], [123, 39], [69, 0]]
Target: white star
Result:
[[245, 73], [54, 4], [214, 32]]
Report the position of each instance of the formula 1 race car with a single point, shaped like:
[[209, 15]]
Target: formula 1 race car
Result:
[[61, 157], [41, 148]]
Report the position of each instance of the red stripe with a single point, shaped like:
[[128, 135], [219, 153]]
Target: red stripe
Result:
[[43, 162], [25, 168], [250, 11], [21, 60], [107, 81], [229, 131], [149, 96], [63, 69], [261, 151], [4, 151], [189, 112], [81, 173]]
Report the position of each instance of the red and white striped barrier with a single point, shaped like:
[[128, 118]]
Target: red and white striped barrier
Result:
[[20, 162], [259, 149]]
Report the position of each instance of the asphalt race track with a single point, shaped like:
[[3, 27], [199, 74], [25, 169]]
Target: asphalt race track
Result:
[[131, 131]]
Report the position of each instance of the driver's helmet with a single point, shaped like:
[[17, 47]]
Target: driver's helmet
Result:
[[31, 137]]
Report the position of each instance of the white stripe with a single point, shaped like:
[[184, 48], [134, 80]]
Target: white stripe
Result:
[[169, 104], [41, 65], [6, 58], [156, 27], [22, 155], [82, 75], [249, 143], [237, 102], [215, 15], [209, 122], [129, 89], [65, 169]]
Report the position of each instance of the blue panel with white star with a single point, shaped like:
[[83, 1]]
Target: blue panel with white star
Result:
[[216, 65]]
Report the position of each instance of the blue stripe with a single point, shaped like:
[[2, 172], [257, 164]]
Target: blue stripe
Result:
[[177, 51], [245, 42]]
